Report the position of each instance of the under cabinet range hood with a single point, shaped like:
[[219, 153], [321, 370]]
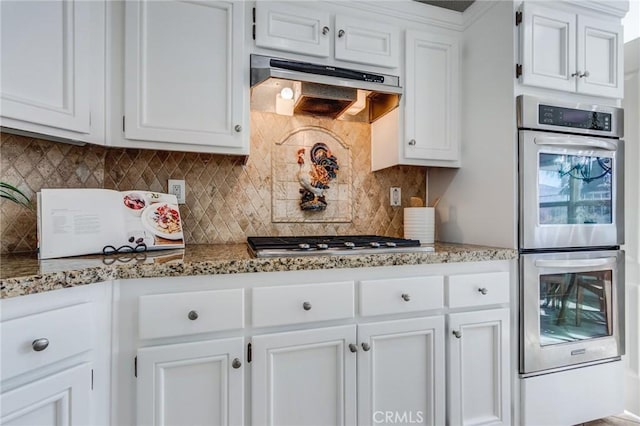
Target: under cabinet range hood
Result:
[[292, 87]]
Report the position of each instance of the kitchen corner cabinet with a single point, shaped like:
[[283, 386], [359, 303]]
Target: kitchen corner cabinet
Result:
[[311, 32], [191, 383], [185, 72], [570, 52], [304, 377], [53, 68]]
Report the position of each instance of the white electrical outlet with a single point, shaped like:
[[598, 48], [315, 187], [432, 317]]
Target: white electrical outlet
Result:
[[178, 188], [395, 196]]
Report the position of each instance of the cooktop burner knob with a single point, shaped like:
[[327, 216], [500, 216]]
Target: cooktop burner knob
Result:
[[322, 246], [390, 244], [303, 246], [349, 244], [374, 244]]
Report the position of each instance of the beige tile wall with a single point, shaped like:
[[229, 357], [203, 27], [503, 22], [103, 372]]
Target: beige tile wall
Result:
[[227, 200]]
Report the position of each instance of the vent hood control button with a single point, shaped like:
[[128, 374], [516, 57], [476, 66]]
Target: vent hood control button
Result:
[[322, 246], [303, 246], [390, 244], [374, 244], [349, 244]]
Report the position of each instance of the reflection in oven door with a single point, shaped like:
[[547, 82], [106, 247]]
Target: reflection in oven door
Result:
[[571, 191], [572, 309]]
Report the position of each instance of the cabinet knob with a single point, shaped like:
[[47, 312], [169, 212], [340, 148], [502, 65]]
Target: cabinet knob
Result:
[[584, 74], [412, 142], [40, 344], [576, 74], [457, 333], [483, 290], [306, 306], [237, 128], [340, 33], [405, 297], [353, 348], [366, 347], [325, 30], [236, 363], [192, 315]]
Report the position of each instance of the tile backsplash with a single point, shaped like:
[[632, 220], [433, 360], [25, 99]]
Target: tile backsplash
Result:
[[226, 200]]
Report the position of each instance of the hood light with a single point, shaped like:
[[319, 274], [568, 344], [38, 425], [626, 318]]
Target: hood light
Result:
[[285, 102]]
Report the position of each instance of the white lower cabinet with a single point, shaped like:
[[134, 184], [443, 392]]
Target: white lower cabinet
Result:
[[401, 372], [56, 400], [193, 383], [304, 377], [478, 368]]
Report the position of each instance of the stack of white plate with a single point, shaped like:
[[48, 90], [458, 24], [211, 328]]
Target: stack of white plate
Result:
[[419, 224]]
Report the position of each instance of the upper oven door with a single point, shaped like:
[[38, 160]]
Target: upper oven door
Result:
[[572, 308], [571, 191]]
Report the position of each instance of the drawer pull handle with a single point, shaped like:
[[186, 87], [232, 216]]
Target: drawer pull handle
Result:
[[39, 345], [306, 306], [193, 315], [366, 347], [405, 297], [353, 348], [236, 363], [483, 290], [457, 333]]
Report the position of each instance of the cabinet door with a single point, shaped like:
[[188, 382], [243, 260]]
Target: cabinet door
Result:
[[46, 56], [304, 377], [600, 58], [191, 383], [401, 372], [432, 97], [60, 399], [548, 48], [478, 370], [291, 28], [184, 72], [367, 42]]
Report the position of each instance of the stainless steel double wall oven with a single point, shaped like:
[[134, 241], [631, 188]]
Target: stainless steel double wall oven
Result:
[[571, 225]]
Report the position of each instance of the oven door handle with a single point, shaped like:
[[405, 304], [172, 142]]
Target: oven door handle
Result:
[[574, 142], [575, 263]]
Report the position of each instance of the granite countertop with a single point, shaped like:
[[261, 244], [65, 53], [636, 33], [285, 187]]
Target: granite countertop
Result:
[[23, 274]]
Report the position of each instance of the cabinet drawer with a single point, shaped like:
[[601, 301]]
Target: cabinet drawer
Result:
[[177, 314], [68, 331], [302, 303], [478, 289], [378, 297]]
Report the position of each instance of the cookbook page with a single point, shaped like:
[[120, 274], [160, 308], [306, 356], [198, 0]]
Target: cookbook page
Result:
[[153, 219], [79, 221]]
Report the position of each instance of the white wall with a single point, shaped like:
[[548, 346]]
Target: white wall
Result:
[[631, 105], [631, 22]]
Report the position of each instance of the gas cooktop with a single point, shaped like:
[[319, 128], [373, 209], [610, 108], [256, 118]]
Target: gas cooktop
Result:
[[331, 245]]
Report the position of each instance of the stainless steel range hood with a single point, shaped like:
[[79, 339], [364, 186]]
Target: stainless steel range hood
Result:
[[292, 87]]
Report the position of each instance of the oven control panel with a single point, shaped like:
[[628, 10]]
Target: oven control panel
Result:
[[575, 118]]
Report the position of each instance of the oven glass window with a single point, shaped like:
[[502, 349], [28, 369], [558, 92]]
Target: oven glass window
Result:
[[574, 189], [575, 306]]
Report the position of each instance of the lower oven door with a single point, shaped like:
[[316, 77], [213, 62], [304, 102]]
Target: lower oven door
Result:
[[571, 308], [571, 191]]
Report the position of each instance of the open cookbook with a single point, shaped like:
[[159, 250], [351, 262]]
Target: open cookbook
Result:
[[74, 222]]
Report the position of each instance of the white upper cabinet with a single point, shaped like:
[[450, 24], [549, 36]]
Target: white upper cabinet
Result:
[[304, 30], [366, 42], [431, 97], [53, 68], [184, 74], [290, 28], [599, 58], [570, 52]]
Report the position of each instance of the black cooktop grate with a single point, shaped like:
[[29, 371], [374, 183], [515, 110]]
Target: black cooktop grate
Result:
[[293, 243]]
